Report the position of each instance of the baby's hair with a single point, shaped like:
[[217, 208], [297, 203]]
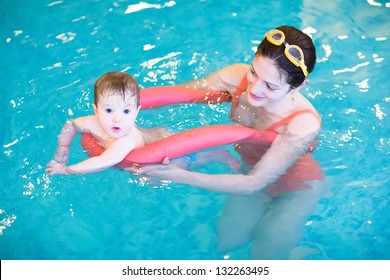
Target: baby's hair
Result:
[[117, 83]]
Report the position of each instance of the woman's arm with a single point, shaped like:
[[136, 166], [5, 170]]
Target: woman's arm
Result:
[[225, 79], [286, 149], [283, 153], [213, 89]]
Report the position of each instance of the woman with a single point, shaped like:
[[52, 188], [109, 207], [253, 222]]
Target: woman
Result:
[[278, 192]]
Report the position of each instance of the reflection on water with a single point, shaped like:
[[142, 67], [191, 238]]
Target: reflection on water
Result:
[[52, 52]]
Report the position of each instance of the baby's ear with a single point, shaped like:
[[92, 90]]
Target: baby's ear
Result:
[[138, 109], [94, 108]]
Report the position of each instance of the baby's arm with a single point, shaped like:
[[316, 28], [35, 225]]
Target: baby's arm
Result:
[[110, 157], [68, 133], [65, 138]]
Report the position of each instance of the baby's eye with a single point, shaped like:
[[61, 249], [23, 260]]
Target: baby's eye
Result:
[[252, 71], [108, 110], [126, 111]]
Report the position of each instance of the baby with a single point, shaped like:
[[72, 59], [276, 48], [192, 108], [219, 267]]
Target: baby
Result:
[[116, 106]]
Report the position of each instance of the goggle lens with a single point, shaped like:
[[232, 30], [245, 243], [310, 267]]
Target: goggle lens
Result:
[[293, 53], [277, 36]]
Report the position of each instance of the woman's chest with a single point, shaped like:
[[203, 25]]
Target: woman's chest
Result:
[[249, 116]]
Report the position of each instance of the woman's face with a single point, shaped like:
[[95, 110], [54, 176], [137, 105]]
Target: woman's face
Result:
[[266, 83]]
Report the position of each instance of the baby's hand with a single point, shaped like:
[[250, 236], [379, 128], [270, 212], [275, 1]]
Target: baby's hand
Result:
[[62, 154], [54, 167]]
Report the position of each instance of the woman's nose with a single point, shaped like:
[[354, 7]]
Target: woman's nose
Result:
[[258, 86]]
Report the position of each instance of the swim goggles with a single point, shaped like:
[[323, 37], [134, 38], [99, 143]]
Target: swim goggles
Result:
[[292, 52]]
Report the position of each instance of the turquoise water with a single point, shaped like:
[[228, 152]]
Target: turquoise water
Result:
[[51, 55]]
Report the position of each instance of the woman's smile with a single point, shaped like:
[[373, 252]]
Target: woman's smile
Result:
[[256, 97]]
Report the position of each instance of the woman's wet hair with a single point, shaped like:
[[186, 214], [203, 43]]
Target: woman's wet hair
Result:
[[294, 74]]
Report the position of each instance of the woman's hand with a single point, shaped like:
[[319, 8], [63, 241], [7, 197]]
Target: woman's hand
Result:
[[62, 154], [54, 167], [166, 170]]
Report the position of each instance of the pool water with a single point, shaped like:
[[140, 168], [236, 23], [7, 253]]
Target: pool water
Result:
[[53, 51]]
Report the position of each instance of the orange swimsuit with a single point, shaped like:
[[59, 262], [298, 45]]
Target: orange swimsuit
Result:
[[305, 169]]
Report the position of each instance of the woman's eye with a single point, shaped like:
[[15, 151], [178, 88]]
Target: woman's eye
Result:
[[108, 110], [270, 87], [126, 111], [253, 72]]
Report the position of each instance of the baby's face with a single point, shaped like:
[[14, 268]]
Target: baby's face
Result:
[[117, 116]]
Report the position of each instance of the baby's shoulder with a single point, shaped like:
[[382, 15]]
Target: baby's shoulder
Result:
[[87, 123]]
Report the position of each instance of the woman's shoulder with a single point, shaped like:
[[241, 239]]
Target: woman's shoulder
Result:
[[229, 78], [305, 122], [225, 79], [234, 73]]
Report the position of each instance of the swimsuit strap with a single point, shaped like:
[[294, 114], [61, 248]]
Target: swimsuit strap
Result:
[[242, 87], [292, 116], [237, 93]]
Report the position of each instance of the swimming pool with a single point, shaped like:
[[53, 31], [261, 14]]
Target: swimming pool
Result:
[[52, 53]]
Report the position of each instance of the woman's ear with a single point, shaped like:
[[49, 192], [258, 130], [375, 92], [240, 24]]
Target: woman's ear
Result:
[[301, 85]]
